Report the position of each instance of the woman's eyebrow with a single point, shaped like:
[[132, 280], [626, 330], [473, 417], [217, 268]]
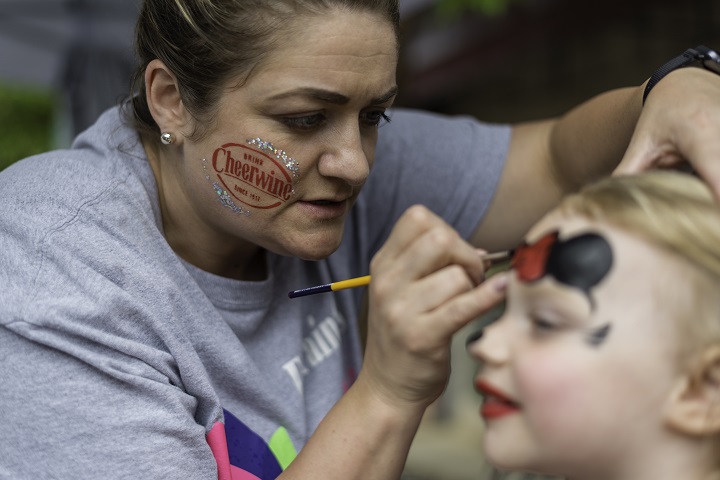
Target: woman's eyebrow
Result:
[[385, 97], [329, 96]]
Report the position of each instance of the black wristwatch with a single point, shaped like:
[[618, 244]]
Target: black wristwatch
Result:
[[700, 56]]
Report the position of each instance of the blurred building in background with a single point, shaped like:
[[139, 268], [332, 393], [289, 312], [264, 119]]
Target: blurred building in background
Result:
[[537, 58], [80, 50]]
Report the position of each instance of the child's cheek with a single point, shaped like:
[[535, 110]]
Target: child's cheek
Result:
[[554, 394]]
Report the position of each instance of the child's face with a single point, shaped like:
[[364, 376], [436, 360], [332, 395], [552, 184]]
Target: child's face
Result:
[[585, 354]]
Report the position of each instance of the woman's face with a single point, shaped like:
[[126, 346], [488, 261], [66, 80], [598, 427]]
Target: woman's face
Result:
[[577, 370], [319, 100]]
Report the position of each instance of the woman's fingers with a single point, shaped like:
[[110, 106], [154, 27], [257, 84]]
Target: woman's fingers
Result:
[[422, 243], [454, 315], [427, 283], [674, 128], [408, 352]]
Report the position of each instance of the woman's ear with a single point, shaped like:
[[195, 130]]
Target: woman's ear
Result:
[[694, 404], [163, 98]]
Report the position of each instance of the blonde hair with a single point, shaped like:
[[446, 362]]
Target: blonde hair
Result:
[[676, 212], [673, 210]]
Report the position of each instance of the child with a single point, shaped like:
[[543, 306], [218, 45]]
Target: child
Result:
[[606, 361]]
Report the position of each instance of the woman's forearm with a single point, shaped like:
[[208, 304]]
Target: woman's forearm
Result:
[[589, 141], [362, 437]]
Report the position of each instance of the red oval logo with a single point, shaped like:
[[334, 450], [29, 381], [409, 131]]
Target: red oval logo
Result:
[[251, 176]]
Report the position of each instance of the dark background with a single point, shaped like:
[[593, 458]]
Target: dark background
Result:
[[62, 62], [539, 58]]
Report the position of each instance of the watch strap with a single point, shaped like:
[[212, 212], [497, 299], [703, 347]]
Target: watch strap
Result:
[[688, 57]]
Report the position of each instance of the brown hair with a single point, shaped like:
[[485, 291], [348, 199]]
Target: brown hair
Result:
[[205, 43]]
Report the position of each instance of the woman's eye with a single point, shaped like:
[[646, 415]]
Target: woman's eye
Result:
[[374, 118], [306, 122]]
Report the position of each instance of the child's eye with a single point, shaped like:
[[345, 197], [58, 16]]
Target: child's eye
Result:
[[542, 325], [306, 122], [374, 118]]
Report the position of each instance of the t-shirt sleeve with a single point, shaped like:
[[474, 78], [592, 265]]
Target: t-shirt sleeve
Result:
[[90, 384], [451, 164], [89, 414]]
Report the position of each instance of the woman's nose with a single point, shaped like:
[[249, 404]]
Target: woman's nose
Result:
[[346, 158]]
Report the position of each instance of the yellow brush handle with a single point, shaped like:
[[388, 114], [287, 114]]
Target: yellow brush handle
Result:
[[362, 281], [351, 283]]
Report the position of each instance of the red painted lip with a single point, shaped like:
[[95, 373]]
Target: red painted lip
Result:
[[496, 403]]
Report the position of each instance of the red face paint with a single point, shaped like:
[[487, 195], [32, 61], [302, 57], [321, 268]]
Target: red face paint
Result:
[[530, 261], [580, 262]]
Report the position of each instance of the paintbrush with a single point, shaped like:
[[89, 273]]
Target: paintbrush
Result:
[[489, 258]]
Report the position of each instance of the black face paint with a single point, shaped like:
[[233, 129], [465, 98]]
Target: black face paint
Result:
[[597, 337], [580, 262]]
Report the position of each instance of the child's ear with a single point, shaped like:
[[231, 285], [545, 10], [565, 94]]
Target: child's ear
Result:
[[694, 404]]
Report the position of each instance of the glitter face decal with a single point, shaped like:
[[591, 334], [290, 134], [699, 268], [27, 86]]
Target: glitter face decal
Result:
[[290, 163], [580, 262], [247, 178], [223, 195]]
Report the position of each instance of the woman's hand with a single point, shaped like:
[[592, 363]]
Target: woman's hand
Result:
[[427, 283], [676, 126]]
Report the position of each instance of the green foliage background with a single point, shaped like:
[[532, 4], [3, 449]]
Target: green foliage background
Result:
[[26, 122]]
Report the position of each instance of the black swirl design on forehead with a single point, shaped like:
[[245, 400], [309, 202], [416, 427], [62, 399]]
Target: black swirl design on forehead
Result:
[[580, 262]]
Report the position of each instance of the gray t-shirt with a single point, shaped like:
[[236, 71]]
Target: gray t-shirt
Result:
[[121, 360]]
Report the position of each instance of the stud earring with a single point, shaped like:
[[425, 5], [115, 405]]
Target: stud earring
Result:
[[167, 138]]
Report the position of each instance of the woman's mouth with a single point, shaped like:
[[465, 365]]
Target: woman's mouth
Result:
[[324, 209]]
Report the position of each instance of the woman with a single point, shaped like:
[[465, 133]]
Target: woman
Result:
[[146, 326], [606, 360]]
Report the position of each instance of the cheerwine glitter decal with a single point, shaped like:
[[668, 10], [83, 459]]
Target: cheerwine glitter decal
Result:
[[223, 195], [245, 177], [290, 163]]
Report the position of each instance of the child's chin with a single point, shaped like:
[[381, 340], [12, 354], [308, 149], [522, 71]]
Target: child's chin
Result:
[[506, 461]]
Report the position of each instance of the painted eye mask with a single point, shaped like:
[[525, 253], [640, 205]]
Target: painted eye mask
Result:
[[581, 262]]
